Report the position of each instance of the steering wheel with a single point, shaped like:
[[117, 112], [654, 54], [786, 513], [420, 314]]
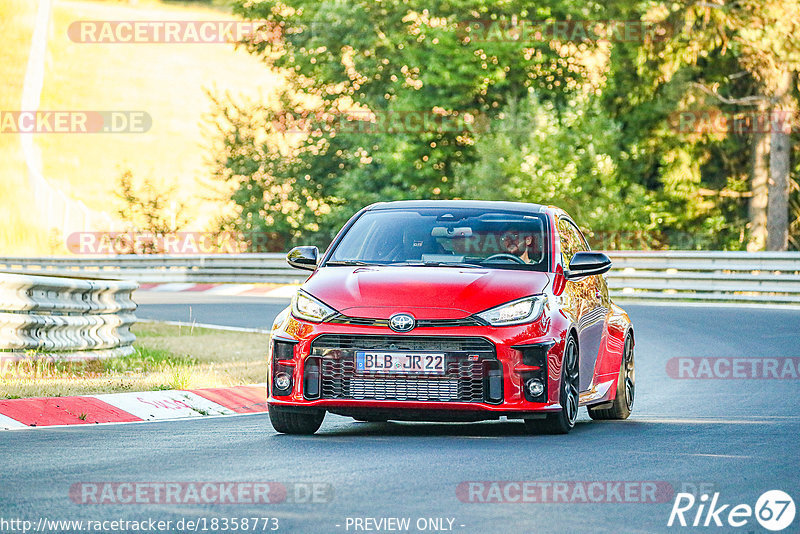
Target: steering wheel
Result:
[[505, 256]]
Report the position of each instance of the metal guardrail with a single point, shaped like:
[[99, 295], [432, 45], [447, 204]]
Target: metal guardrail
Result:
[[767, 277], [771, 277], [66, 318], [160, 268]]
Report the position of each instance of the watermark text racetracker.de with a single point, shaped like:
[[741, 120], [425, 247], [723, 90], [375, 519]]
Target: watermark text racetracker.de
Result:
[[712, 120], [137, 242], [732, 368], [566, 491], [518, 29], [392, 122], [171, 31], [74, 122], [200, 493]]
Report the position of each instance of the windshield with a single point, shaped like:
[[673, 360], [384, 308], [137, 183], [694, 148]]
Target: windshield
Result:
[[445, 237]]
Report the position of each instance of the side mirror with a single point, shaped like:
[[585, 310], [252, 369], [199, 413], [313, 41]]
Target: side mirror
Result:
[[303, 258], [587, 264]]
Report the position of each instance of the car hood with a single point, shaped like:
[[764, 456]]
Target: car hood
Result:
[[426, 292]]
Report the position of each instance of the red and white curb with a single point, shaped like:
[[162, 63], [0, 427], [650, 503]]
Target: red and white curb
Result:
[[253, 290], [131, 407]]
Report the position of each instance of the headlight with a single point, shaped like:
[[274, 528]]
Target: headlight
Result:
[[280, 319], [519, 311], [306, 307]]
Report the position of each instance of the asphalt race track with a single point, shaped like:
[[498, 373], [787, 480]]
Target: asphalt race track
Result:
[[247, 312], [737, 437]]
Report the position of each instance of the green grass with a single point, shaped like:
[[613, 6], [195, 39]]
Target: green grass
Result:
[[165, 357], [168, 81]]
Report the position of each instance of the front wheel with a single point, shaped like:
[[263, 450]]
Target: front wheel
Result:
[[288, 421], [563, 421], [626, 388]]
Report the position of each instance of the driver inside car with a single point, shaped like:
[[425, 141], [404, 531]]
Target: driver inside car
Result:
[[520, 244]]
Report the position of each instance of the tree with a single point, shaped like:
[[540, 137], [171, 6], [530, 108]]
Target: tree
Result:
[[568, 159], [148, 210], [581, 123], [434, 63], [764, 37]]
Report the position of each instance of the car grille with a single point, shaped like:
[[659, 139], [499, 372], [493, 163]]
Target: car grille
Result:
[[421, 323], [470, 365]]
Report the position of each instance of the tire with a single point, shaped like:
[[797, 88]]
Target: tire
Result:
[[626, 389], [292, 422], [563, 421]]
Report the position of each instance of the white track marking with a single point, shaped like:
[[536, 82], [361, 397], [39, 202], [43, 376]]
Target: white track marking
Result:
[[159, 405]]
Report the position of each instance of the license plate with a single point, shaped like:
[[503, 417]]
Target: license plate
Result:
[[400, 362]]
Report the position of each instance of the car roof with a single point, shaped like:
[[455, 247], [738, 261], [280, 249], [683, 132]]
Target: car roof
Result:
[[485, 204]]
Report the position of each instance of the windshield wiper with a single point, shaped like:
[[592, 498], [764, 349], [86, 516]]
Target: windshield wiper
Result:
[[441, 264], [349, 263]]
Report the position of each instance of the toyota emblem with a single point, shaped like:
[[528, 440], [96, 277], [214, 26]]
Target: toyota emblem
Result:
[[402, 322]]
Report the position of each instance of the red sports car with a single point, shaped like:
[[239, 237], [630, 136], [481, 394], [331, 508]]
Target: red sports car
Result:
[[452, 311]]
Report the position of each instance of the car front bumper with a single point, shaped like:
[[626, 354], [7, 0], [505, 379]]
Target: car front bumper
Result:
[[482, 361]]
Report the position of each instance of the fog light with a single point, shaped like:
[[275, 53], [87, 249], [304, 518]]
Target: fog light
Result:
[[535, 387], [282, 381]]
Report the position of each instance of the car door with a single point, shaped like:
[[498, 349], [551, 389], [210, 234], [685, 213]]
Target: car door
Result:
[[586, 302]]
